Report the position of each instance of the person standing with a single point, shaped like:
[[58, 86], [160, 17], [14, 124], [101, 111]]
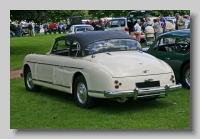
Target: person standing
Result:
[[19, 30], [33, 29], [157, 28], [147, 22], [163, 22], [30, 27], [137, 28], [179, 23]]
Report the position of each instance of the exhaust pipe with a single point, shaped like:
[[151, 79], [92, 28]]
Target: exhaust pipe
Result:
[[120, 100]]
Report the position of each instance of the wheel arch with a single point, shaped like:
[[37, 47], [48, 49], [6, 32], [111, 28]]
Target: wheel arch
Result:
[[25, 67], [182, 66], [74, 78]]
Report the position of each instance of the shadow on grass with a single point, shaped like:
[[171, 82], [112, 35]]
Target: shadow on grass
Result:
[[106, 105]]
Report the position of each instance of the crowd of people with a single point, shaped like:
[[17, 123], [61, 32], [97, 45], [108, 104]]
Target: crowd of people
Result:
[[159, 25]]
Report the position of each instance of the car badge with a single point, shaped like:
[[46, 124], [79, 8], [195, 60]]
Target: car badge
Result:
[[145, 71], [148, 80]]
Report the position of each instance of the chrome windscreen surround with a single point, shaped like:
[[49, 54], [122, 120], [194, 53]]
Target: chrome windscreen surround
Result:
[[142, 93]]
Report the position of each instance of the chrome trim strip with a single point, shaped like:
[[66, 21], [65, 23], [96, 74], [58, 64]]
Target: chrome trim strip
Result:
[[55, 65], [51, 83], [94, 91], [138, 93]]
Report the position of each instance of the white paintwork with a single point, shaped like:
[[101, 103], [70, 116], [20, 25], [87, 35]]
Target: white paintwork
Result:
[[100, 72], [72, 28]]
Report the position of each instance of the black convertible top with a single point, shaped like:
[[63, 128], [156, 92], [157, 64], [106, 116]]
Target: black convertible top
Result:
[[86, 38]]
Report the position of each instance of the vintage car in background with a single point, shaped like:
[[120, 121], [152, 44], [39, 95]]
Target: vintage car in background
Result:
[[80, 28], [99, 64], [174, 48]]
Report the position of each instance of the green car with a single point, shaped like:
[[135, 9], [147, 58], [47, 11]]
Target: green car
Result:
[[174, 48]]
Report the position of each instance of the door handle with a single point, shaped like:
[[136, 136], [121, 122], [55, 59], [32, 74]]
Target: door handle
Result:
[[167, 58]]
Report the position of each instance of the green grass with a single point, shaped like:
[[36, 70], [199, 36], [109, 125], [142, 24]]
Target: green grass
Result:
[[20, 47], [30, 110]]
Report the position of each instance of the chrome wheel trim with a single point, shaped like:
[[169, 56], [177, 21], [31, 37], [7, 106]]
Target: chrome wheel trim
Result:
[[81, 92], [187, 77], [29, 80]]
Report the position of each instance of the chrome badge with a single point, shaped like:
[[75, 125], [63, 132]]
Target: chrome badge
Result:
[[145, 71], [148, 80]]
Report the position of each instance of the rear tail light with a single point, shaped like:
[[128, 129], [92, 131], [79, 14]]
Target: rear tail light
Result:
[[116, 86], [172, 77], [126, 29]]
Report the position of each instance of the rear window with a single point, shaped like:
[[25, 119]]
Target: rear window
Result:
[[112, 45]]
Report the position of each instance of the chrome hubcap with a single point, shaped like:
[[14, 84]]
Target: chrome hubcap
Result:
[[81, 92], [29, 80], [187, 76]]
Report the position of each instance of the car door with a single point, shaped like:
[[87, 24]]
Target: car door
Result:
[[163, 49], [52, 68], [112, 25], [181, 54]]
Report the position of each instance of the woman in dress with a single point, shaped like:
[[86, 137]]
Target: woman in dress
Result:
[[137, 28]]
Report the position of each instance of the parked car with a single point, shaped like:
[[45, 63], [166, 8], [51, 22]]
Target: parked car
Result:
[[73, 20], [187, 21], [99, 64], [173, 18], [119, 24], [186, 16], [80, 28], [174, 48], [25, 28]]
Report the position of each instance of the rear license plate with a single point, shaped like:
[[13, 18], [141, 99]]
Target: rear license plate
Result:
[[148, 84]]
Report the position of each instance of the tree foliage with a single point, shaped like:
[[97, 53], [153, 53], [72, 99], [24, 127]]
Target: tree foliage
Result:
[[41, 16]]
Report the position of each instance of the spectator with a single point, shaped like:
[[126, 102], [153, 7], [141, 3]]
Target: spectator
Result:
[[19, 30], [179, 23], [157, 28], [137, 28], [147, 22], [163, 22], [87, 22], [33, 28], [30, 27]]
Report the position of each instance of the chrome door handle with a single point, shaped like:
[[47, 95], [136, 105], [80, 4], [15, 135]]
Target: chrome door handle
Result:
[[167, 58]]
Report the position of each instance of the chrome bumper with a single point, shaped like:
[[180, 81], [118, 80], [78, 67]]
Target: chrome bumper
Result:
[[142, 93]]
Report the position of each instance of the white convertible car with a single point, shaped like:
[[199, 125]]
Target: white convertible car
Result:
[[99, 64]]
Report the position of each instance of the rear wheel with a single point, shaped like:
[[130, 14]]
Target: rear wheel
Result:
[[186, 76], [28, 81], [81, 93]]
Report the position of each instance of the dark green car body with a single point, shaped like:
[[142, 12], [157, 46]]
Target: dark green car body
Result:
[[174, 48]]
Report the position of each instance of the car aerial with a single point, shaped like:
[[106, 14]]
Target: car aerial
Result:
[[80, 28], [174, 48], [99, 64]]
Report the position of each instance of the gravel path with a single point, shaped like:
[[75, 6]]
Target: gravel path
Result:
[[15, 74]]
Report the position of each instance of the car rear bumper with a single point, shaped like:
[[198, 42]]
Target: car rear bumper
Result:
[[142, 93]]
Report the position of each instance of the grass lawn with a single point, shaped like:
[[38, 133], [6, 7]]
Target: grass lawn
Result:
[[50, 109], [20, 47]]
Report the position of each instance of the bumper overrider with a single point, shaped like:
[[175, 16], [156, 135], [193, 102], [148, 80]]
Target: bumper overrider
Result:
[[142, 93]]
